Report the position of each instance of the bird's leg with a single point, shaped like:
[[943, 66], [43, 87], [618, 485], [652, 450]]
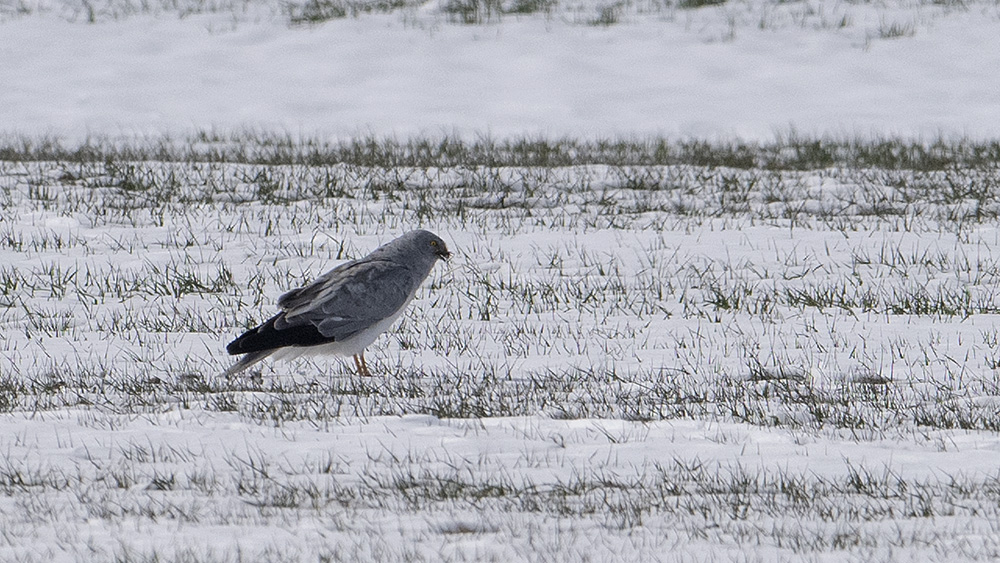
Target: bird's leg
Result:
[[361, 365]]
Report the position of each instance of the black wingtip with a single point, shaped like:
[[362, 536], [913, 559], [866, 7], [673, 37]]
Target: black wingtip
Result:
[[234, 348], [267, 337]]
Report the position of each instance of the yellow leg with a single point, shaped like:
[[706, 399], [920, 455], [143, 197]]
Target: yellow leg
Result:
[[361, 365]]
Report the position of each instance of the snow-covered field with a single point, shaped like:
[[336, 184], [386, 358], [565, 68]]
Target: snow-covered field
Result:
[[630, 357], [676, 363]]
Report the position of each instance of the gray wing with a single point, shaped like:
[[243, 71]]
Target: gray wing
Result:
[[349, 298]]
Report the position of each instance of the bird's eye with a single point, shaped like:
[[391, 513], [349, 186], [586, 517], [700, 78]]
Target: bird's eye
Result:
[[434, 243]]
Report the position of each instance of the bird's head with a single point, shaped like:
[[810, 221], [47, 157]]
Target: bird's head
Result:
[[421, 243], [439, 248]]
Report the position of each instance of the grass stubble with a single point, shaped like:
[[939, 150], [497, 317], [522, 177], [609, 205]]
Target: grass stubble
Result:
[[824, 290], [713, 20]]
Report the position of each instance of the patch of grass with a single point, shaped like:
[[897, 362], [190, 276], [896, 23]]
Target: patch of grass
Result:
[[694, 4], [525, 7], [896, 30], [318, 11], [472, 12], [790, 152], [93, 11]]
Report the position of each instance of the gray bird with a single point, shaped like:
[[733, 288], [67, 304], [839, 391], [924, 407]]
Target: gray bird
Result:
[[346, 309]]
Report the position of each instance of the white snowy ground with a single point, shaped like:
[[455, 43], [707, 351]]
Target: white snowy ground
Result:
[[747, 68], [717, 365], [723, 366]]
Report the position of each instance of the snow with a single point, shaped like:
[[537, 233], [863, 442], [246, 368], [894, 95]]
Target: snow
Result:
[[710, 73], [560, 390], [594, 423], [355, 465]]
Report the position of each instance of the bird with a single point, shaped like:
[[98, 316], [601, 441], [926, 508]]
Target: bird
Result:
[[343, 311]]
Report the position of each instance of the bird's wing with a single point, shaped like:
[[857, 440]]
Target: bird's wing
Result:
[[349, 298]]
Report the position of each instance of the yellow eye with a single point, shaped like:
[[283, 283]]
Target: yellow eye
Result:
[[434, 243]]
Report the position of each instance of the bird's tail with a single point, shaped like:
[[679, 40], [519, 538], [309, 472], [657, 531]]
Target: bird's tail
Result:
[[247, 361]]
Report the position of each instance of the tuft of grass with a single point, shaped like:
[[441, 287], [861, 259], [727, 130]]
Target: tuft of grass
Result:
[[694, 4], [473, 12], [896, 30], [525, 7], [314, 12]]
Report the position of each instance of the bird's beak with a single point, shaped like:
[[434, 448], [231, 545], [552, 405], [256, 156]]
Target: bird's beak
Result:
[[444, 254]]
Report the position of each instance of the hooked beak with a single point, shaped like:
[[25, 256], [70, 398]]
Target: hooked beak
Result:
[[443, 254]]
